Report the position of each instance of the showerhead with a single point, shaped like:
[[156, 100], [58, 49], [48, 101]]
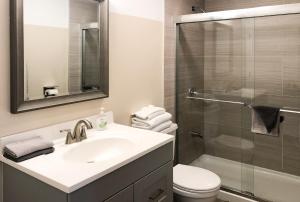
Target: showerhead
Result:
[[197, 9]]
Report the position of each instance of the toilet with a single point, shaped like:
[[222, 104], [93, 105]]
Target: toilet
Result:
[[194, 184]]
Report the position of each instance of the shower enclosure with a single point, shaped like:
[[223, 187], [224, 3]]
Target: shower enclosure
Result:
[[227, 61], [90, 57]]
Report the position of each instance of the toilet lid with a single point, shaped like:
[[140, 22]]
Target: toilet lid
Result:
[[195, 179]]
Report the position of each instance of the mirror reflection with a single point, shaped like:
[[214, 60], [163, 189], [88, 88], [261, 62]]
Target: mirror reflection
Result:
[[61, 48]]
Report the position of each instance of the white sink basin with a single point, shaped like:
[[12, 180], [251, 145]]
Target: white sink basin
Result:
[[100, 150]]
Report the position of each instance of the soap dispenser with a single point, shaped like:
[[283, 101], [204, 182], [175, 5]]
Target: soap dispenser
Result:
[[102, 120]]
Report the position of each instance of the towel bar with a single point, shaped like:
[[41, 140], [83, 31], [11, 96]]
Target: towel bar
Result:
[[236, 102], [216, 100]]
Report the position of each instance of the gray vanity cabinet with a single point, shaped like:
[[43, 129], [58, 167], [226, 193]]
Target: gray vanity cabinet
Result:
[[147, 179], [125, 195], [155, 186]]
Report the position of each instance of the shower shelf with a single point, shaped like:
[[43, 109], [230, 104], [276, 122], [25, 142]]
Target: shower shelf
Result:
[[236, 102]]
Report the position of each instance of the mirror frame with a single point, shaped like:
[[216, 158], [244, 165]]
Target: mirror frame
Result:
[[18, 103]]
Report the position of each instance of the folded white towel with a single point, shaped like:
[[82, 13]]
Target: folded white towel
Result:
[[162, 126], [172, 128], [149, 112], [152, 123]]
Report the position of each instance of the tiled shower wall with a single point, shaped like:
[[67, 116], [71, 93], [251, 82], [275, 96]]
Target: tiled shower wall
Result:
[[276, 72], [173, 8], [188, 149], [81, 12], [90, 60], [190, 70]]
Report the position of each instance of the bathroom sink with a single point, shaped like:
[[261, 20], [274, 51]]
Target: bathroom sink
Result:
[[100, 150], [73, 166]]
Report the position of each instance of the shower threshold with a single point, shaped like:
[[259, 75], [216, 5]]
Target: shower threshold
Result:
[[238, 194], [267, 185]]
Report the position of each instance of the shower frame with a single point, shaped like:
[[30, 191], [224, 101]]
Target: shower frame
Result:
[[263, 11]]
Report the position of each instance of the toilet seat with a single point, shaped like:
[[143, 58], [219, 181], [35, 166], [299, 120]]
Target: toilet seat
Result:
[[195, 182], [194, 194]]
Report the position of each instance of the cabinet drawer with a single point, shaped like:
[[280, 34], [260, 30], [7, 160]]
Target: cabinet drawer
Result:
[[125, 195], [155, 187]]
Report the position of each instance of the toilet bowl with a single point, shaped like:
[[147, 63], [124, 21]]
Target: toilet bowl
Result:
[[193, 184]]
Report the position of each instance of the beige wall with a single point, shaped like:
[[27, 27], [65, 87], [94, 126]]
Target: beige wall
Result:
[[136, 75]]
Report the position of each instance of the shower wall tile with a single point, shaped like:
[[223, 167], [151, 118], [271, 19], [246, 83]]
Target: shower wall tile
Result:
[[81, 12], [291, 155], [261, 55], [291, 144], [222, 114], [190, 120], [277, 153], [189, 70], [225, 54], [280, 153], [277, 58], [223, 133], [207, 61], [268, 152], [180, 7], [173, 8], [248, 146], [269, 40]]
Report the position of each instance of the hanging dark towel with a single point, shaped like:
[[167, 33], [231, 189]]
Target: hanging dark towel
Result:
[[268, 115]]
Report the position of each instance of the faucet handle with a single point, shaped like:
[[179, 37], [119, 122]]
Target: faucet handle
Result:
[[70, 137], [65, 130]]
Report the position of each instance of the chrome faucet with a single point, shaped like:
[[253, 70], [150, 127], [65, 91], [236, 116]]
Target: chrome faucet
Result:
[[79, 132]]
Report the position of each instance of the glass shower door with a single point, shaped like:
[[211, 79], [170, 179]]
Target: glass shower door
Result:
[[277, 84], [90, 58], [214, 80]]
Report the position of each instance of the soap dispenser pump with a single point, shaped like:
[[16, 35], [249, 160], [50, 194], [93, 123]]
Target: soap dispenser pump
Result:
[[102, 120]]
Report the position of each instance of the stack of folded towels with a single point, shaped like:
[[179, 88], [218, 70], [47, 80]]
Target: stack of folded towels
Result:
[[26, 149], [152, 118]]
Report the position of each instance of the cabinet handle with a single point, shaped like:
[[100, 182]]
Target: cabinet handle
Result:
[[156, 196]]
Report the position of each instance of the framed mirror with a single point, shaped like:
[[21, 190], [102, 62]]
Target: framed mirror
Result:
[[59, 52]]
